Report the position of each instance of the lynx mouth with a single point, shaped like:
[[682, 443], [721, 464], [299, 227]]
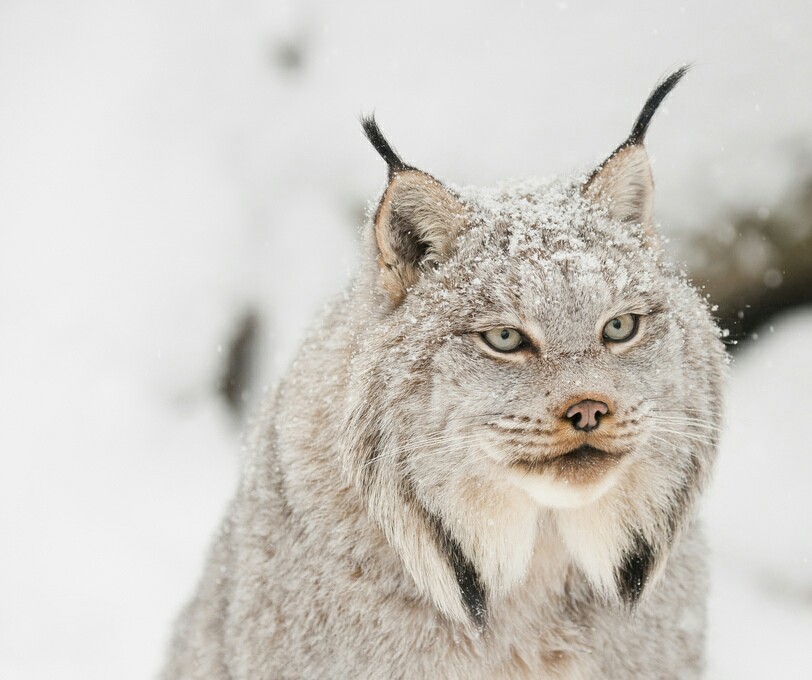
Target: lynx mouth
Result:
[[579, 464]]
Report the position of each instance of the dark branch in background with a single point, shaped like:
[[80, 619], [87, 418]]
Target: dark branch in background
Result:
[[240, 360], [756, 265], [289, 55]]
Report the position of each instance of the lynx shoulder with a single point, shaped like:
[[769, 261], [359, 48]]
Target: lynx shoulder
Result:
[[486, 458]]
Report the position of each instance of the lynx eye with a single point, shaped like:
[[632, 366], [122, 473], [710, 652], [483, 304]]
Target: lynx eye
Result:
[[621, 328], [503, 339]]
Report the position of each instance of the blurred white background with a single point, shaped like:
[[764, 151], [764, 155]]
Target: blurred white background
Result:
[[168, 166]]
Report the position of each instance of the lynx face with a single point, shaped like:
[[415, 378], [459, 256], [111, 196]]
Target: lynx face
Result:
[[530, 361], [548, 271]]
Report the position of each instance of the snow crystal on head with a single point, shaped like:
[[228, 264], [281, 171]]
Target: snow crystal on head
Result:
[[534, 243], [547, 218]]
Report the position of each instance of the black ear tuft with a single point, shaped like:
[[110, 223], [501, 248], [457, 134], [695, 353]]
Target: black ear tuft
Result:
[[634, 571], [623, 183], [382, 146], [659, 93]]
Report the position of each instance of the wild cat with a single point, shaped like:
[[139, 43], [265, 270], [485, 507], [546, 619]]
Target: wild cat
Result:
[[485, 460]]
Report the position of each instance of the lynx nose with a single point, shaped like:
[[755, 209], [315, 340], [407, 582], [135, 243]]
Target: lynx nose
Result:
[[586, 414]]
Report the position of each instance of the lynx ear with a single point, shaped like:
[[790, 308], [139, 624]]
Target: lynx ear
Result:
[[416, 223], [623, 183], [624, 186]]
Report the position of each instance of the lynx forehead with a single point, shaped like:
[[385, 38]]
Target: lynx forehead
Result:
[[485, 460], [547, 259]]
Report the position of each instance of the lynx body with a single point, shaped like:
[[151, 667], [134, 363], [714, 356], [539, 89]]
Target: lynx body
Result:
[[485, 460]]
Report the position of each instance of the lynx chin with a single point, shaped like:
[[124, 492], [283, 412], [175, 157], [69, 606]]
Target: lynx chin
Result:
[[485, 461]]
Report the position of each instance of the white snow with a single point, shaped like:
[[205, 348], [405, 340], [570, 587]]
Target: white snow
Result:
[[759, 512], [159, 173]]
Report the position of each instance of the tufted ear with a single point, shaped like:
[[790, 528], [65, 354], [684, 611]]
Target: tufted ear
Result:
[[417, 221], [623, 183], [624, 186]]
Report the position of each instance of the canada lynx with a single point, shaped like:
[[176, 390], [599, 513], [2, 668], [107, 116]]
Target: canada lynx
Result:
[[485, 461]]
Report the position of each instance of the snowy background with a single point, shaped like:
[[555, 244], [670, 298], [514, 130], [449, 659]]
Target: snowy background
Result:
[[169, 166]]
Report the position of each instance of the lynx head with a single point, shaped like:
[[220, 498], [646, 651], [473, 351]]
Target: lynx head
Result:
[[525, 360]]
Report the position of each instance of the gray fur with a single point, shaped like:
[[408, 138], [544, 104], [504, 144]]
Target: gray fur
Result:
[[382, 481]]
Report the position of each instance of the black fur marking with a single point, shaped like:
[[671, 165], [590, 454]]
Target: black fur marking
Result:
[[472, 590], [471, 587], [382, 146], [659, 93], [634, 571]]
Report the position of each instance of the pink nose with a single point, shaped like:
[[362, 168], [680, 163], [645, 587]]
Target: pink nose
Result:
[[585, 415]]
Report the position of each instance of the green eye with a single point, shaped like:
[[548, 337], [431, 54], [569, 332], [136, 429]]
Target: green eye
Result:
[[621, 328], [503, 339]]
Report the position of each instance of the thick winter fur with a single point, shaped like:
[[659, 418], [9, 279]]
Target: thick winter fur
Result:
[[418, 505]]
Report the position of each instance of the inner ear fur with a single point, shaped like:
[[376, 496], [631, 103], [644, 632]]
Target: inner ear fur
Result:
[[624, 186], [416, 224]]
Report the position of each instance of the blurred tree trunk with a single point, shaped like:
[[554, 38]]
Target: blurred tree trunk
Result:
[[756, 265]]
